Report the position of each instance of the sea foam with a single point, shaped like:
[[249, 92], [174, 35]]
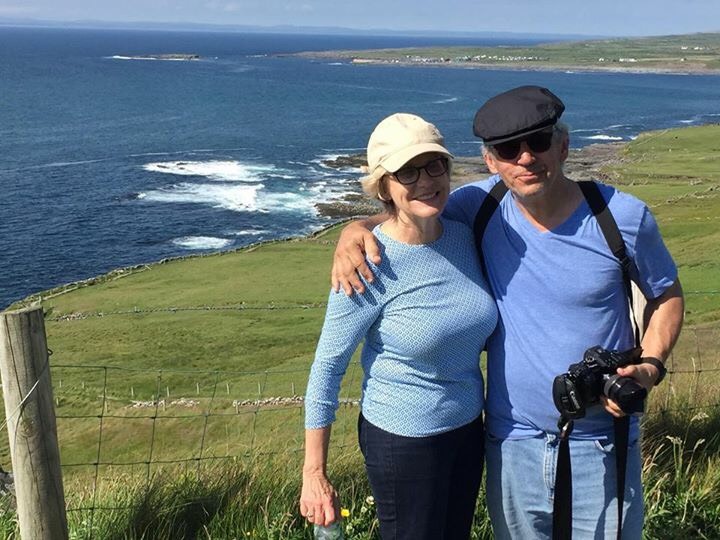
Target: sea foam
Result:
[[252, 232], [202, 242], [603, 138], [238, 198], [233, 171], [446, 100]]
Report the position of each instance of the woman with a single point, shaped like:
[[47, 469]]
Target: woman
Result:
[[424, 319]]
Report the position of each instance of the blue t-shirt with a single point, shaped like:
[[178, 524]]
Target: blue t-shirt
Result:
[[558, 293], [425, 319]]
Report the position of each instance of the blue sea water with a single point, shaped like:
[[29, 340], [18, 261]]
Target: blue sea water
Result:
[[108, 162]]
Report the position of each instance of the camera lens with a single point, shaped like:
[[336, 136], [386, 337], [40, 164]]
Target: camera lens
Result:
[[626, 392]]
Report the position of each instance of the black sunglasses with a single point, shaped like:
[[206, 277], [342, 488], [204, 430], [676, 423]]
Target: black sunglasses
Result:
[[410, 175], [537, 142]]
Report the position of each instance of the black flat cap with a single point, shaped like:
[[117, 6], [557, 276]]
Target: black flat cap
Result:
[[516, 113]]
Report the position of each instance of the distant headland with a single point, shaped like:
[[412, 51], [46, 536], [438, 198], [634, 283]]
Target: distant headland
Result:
[[689, 53]]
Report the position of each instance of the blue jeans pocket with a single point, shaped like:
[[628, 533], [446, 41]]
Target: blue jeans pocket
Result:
[[606, 446]]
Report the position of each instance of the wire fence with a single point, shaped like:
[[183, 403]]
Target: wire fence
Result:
[[132, 422], [138, 422]]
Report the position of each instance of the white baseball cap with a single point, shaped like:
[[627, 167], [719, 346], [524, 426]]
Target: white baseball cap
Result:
[[399, 138]]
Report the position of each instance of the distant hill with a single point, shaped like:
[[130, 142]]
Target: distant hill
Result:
[[286, 29]]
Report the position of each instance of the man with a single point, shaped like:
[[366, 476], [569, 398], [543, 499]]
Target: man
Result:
[[559, 291]]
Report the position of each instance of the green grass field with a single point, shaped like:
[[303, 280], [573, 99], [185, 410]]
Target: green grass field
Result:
[[677, 172], [186, 359]]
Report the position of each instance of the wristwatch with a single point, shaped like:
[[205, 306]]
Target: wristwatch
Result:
[[658, 364]]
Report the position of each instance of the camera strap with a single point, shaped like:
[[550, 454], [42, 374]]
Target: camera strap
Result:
[[601, 212], [562, 496], [621, 426], [562, 499], [562, 503], [611, 232], [482, 218]]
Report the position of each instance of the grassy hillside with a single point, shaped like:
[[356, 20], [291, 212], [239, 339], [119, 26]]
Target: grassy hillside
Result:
[[677, 172], [218, 338], [693, 52]]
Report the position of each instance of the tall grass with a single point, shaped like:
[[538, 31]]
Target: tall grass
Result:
[[681, 477], [258, 499]]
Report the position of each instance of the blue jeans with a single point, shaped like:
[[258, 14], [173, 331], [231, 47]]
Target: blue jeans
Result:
[[425, 488], [521, 482]]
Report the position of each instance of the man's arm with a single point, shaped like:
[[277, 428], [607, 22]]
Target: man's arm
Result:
[[356, 240], [664, 316]]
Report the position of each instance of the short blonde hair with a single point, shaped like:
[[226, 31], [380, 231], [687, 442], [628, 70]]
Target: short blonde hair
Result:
[[373, 185]]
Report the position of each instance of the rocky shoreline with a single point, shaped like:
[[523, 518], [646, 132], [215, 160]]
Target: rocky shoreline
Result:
[[582, 164], [666, 69]]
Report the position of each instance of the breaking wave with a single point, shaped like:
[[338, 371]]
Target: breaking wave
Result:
[[202, 242], [233, 171], [603, 138]]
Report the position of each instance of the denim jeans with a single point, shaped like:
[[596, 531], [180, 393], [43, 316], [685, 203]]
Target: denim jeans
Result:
[[425, 488], [521, 481]]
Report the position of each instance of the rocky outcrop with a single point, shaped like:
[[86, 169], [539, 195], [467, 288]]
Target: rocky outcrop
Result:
[[583, 164]]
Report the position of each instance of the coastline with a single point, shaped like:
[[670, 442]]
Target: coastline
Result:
[[584, 163], [552, 68], [681, 54], [509, 66]]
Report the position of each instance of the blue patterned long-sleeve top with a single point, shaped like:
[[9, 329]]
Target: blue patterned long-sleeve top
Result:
[[425, 319]]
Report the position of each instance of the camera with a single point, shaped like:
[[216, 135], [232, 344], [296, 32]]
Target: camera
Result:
[[595, 376]]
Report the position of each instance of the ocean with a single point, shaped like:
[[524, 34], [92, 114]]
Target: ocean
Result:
[[109, 161]]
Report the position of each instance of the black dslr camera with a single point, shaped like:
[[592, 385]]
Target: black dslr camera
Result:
[[596, 375]]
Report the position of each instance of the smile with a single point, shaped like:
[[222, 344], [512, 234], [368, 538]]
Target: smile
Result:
[[427, 196], [530, 175]]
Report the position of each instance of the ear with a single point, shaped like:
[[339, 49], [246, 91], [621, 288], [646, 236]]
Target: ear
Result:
[[382, 191], [564, 148], [490, 162]]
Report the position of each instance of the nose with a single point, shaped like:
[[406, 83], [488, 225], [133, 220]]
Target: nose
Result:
[[526, 156], [424, 176]]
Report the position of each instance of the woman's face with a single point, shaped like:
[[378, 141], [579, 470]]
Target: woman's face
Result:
[[426, 197]]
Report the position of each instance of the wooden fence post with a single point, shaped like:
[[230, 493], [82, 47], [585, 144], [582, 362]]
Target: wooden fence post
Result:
[[32, 429]]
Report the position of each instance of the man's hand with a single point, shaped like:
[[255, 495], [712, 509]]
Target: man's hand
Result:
[[349, 262], [644, 374], [664, 316]]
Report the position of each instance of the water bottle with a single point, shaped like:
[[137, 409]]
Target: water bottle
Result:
[[334, 531]]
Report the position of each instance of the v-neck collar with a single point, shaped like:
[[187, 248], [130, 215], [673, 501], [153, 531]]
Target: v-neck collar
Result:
[[575, 216]]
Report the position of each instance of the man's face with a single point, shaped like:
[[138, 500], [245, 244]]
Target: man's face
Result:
[[530, 173]]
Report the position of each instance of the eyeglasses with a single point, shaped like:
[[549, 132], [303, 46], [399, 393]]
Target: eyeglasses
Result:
[[410, 175], [537, 142]]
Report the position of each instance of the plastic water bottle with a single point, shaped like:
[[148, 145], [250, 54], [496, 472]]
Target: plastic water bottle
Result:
[[334, 531]]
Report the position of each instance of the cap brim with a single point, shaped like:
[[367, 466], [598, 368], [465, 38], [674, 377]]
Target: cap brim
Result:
[[396, 161], [499, 140]]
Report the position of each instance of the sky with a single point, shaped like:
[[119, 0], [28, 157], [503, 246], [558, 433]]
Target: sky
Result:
[[588, 17]]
